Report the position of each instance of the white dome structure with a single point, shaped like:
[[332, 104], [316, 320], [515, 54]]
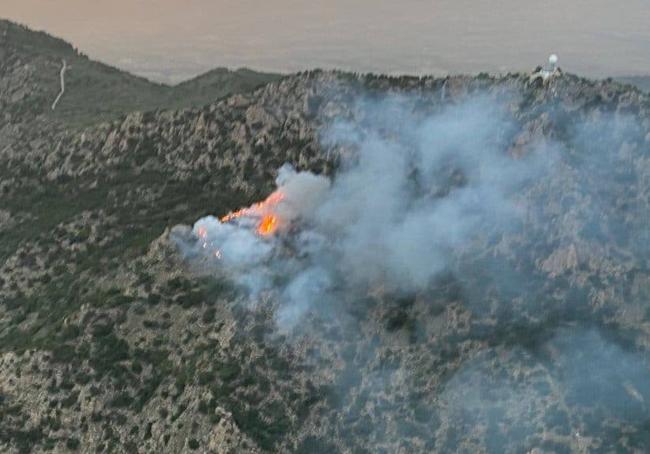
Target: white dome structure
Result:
[[546, 73]]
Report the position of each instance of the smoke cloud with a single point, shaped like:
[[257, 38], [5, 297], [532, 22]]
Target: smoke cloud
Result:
[[411, 191], [482, 254], [582, 385]]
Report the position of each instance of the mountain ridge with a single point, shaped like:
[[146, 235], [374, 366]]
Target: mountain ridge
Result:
[[111, 341], [641, 82], [95, 91]]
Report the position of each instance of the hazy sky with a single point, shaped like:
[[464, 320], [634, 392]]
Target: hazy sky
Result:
[[174, 39]]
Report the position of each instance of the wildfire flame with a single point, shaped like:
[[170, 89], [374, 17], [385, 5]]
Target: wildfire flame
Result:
[[268, 225], [269, 220]]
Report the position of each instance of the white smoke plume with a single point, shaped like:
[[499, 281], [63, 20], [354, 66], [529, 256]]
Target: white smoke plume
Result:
[[238, 250], [432, 194], [574, 370], [412, 191]]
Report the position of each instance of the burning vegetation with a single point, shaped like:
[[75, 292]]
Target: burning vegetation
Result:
[[383, 220], [265, 211]]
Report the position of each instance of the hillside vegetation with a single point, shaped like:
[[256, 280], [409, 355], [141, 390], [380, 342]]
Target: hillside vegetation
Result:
[[30, 63], [111, 342], [641, 82]]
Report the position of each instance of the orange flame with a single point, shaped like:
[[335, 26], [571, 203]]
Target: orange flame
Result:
[[269, 221], [268, 225]]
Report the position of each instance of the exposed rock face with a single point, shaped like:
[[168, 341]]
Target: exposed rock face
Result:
[[560, 261], [111, 342]]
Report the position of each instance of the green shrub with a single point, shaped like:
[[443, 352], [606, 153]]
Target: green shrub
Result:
[[72, 444], [228, 372], [122, 400], [209, 315]]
